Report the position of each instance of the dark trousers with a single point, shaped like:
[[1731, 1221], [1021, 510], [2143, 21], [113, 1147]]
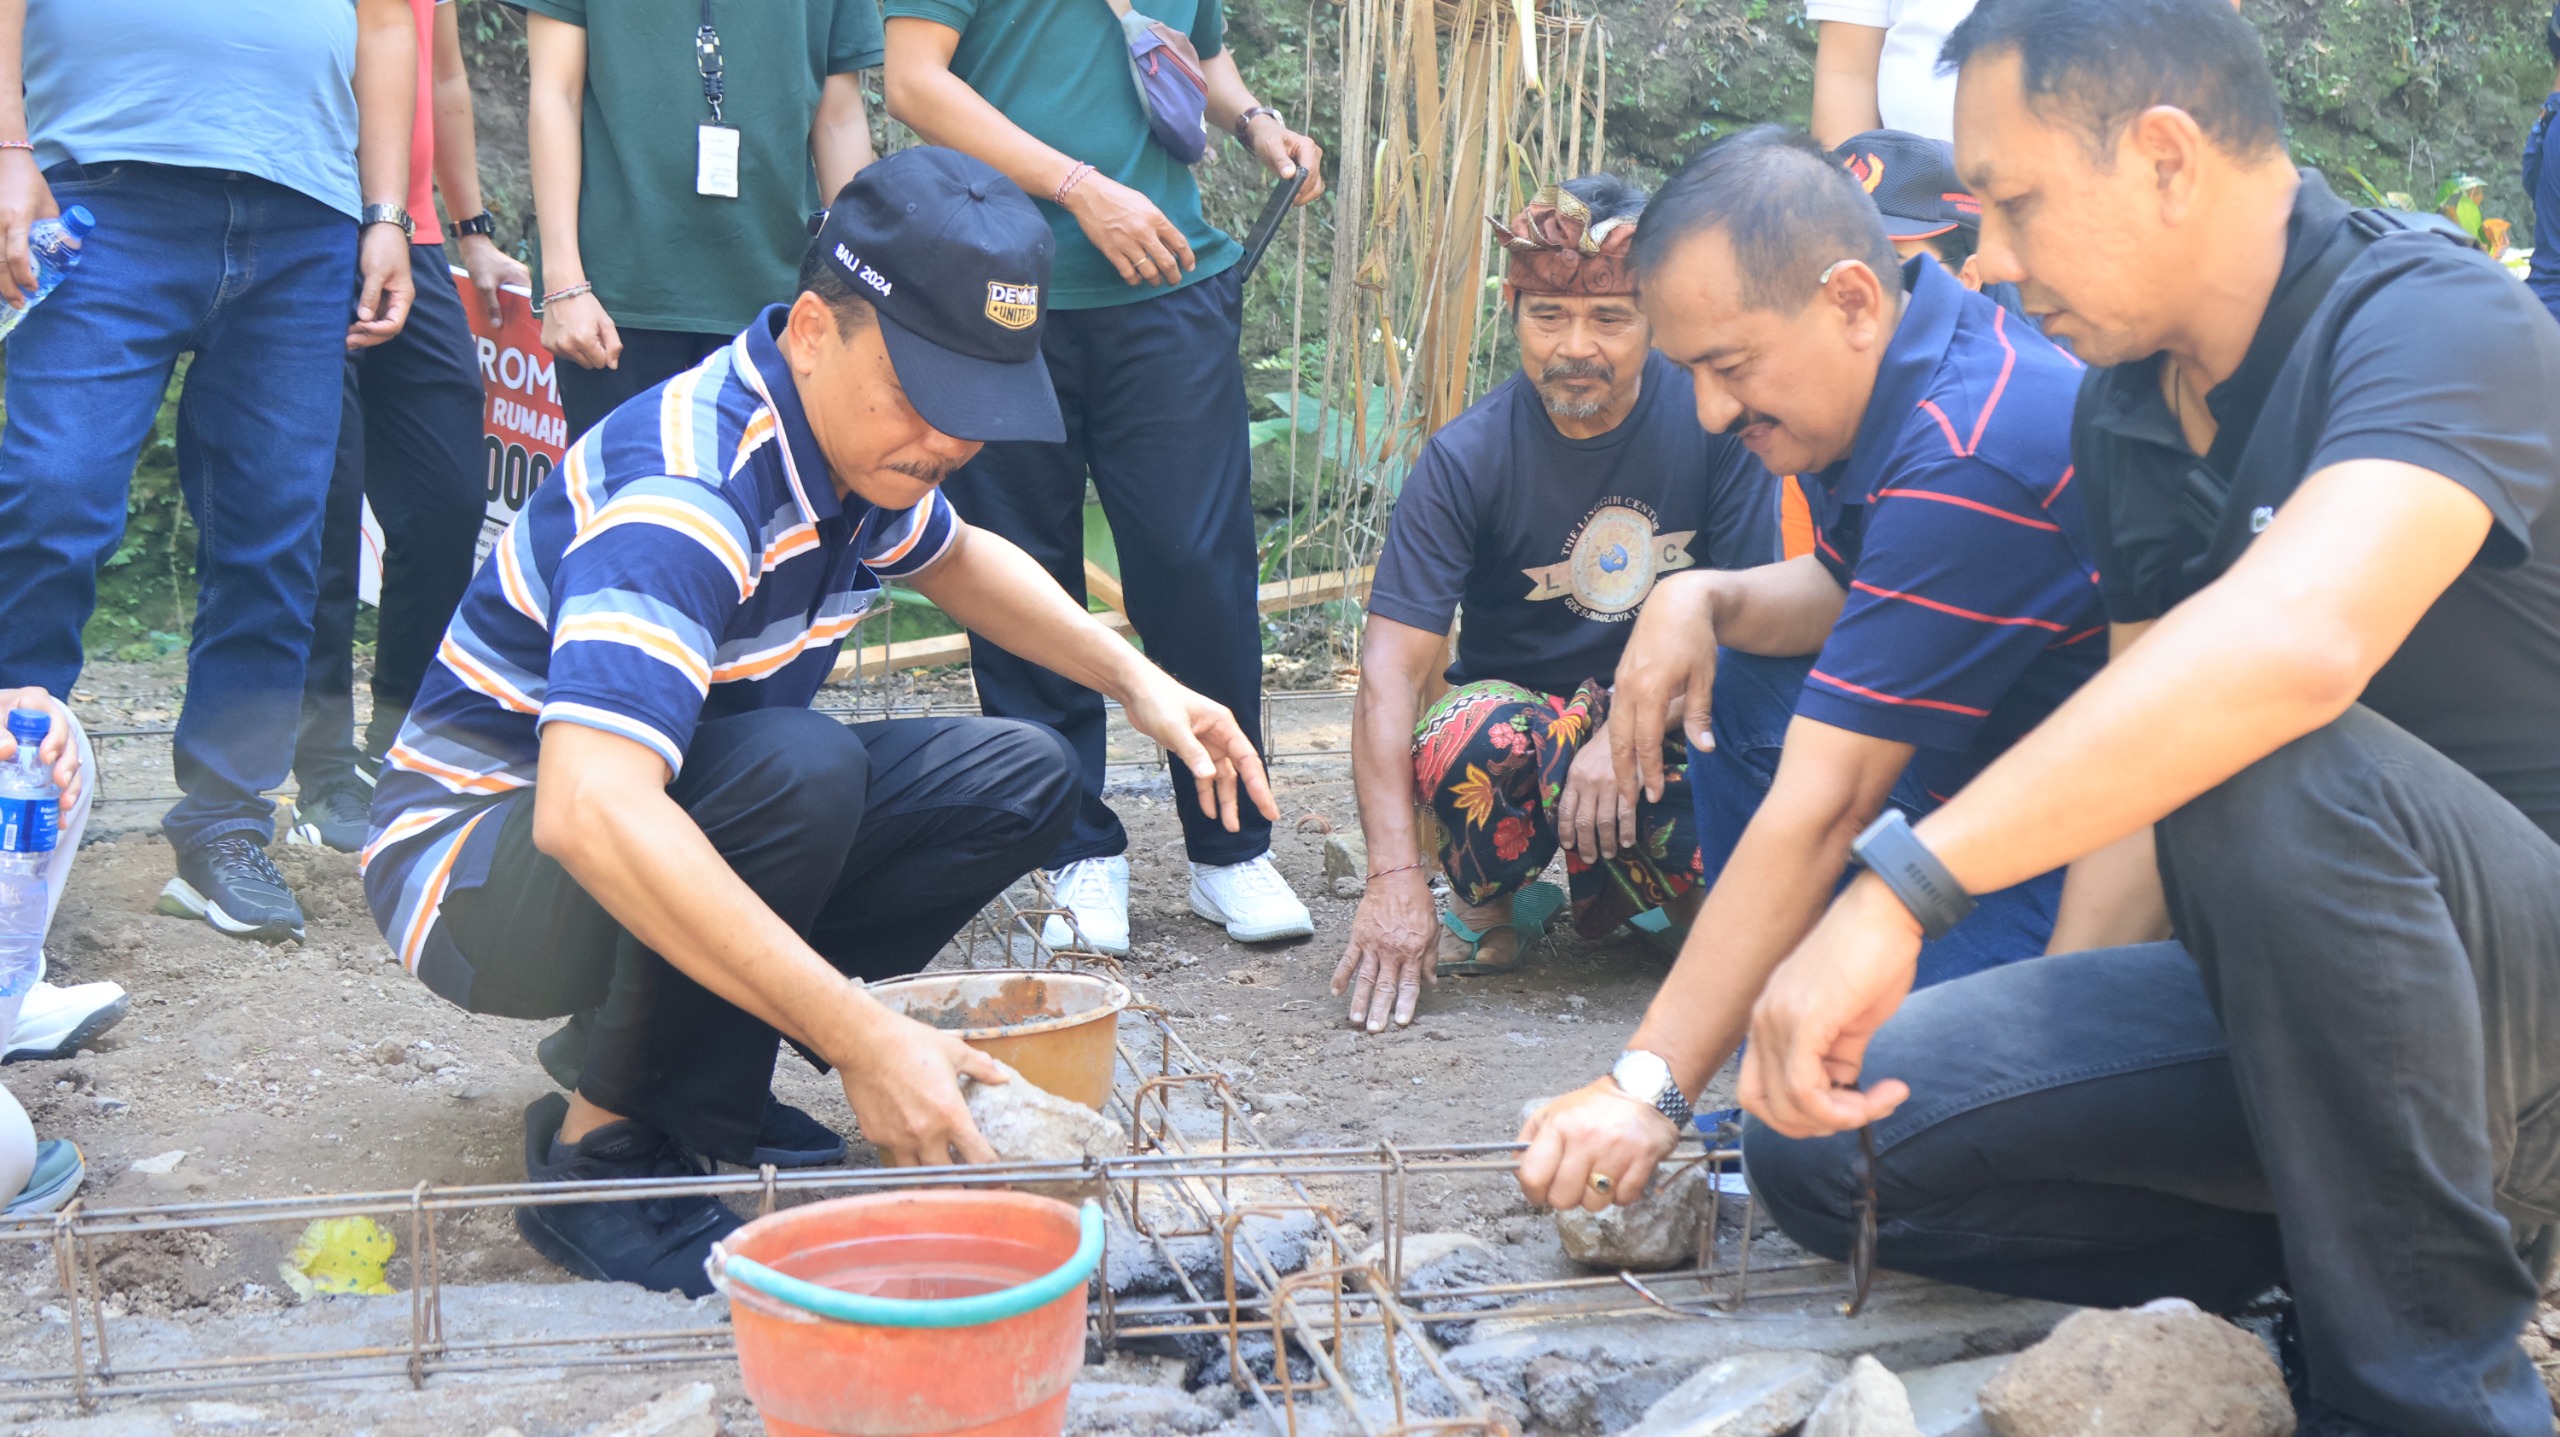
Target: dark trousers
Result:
[[649, 356], [876, 843], [1153, 394], [2351, 1087], [257, 281], [1755, 700], [409, 440]]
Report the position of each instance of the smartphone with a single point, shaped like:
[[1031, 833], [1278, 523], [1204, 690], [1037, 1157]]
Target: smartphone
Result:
[[1267, 227]]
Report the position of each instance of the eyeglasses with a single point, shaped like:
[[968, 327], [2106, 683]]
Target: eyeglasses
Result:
[[1862, 1254]]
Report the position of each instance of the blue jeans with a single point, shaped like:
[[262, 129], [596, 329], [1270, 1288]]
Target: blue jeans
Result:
[[258, 282], [1755, 700], [2344, 1077]]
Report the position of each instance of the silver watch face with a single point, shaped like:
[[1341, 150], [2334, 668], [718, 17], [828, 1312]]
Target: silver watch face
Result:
[[1641, 1075]]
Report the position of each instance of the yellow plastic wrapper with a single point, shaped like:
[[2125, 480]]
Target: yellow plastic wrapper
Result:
[[340, 1254]]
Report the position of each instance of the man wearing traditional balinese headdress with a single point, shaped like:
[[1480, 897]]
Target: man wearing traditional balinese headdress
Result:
[[1545, 512]]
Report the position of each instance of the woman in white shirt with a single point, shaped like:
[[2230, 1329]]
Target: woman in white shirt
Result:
[[1876, 67]]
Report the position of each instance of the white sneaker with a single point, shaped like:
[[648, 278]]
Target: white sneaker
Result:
[[1252, 899], [1096, 891], [58, 1022]]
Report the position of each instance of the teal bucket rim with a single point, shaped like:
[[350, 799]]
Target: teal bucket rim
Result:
[[975, 1310]]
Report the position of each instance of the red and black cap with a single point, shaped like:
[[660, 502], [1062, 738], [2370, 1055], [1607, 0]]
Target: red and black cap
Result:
[[1912, 179], [955, 258]]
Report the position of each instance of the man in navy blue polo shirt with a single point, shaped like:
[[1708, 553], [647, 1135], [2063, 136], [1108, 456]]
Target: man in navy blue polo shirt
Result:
[[611, 794], [1948, 605]]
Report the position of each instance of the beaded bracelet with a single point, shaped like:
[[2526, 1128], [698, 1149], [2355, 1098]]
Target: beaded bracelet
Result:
[[17, 145], [1074, 177], [567, 291], [1391, 872]]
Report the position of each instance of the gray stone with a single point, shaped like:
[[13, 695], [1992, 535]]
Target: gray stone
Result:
[[1759, 1394], [1346, 855], [1869, 1402], [678, 1412], [2166, 1370], [1946, 1399], [1130, 1407], [1136, 1264], [1601, 1376], [1655, 1232], [1024, 1123]]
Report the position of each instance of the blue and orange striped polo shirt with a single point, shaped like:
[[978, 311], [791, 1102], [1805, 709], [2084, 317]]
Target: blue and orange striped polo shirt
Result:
[[1973, 608], [690, 560]]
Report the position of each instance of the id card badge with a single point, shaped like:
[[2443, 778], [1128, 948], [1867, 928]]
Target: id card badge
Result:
[[715, 161]]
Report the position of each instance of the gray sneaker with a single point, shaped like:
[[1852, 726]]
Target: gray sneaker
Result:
[[230, 884], [333, 814]]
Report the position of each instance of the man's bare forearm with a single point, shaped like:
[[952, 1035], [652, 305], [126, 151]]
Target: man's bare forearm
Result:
[[386, 84], [457, 146], [1830, 784], [13, 94], [1394, 659], [555, 123], [2278, 646], [602, 810], [840, 135], [923, 94], [996, 591], [1782, 610]]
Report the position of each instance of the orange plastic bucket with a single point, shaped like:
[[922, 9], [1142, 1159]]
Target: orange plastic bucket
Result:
[[1060, 1030], [944, 1313]]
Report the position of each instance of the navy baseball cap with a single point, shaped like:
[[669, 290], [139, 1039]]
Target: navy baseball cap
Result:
[[955, 258], [1912, 179]]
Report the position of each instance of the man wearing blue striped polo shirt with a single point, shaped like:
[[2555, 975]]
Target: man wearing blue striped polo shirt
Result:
[[611, 794], [1947, 607]]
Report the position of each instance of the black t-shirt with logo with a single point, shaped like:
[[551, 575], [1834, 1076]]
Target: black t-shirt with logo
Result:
[[2425, 352], [1550, 544]]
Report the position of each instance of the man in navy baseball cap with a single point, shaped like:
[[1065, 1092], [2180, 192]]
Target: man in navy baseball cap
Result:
[[1926, 209], [955, 260], [611, 798]]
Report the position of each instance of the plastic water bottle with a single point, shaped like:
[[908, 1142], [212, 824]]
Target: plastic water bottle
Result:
[[29, 812], [54, 245]]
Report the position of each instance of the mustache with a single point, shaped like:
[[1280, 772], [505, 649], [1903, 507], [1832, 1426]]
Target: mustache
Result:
[[924, 473], [1745, 420], [1564, 369]]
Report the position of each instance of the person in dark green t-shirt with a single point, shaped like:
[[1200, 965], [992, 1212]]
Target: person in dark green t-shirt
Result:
[[667, 222], [1145, 314]]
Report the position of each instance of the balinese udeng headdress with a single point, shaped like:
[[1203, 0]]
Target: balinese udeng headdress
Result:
[[1556, 249]]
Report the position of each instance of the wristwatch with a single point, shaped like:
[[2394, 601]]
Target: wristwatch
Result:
[[483, 223], [1892, 852], [382, 214], [1646, 1078], [1244, 122]]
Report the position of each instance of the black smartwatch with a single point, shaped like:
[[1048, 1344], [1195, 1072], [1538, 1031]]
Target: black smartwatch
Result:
[[1892, 852], [483, 223]]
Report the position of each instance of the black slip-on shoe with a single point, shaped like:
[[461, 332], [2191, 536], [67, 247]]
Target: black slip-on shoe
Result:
[[333, 814], [790, 1138], [230, 884], [659, 1243]]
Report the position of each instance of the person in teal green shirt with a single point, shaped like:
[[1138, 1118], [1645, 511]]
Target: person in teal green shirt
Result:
[[650, 260], [1145, 315]]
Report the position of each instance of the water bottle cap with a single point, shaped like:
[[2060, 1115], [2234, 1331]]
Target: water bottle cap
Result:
[[29, 725], [79, 221]]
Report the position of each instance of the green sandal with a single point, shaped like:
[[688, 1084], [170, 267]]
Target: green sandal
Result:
[[1532, 909]]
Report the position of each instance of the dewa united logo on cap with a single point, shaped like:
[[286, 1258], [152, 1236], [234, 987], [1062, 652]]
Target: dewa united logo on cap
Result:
[[1015, 306]]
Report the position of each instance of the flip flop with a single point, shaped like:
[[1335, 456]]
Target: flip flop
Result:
[[1532, 909], [1654, 929], [57, 1176]]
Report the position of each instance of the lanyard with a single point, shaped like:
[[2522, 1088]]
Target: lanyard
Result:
[[706, 60]]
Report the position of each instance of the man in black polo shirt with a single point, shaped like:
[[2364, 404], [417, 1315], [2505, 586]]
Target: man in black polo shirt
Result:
[[2331, 552]]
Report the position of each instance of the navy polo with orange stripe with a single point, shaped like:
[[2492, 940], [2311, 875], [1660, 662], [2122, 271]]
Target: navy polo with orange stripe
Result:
[[1973, 606]]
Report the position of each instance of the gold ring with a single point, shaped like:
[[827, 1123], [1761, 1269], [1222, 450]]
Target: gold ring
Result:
[[1601, 1183]]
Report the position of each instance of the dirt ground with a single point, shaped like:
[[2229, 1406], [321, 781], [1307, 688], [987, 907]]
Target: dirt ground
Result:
[[320, 1066]]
